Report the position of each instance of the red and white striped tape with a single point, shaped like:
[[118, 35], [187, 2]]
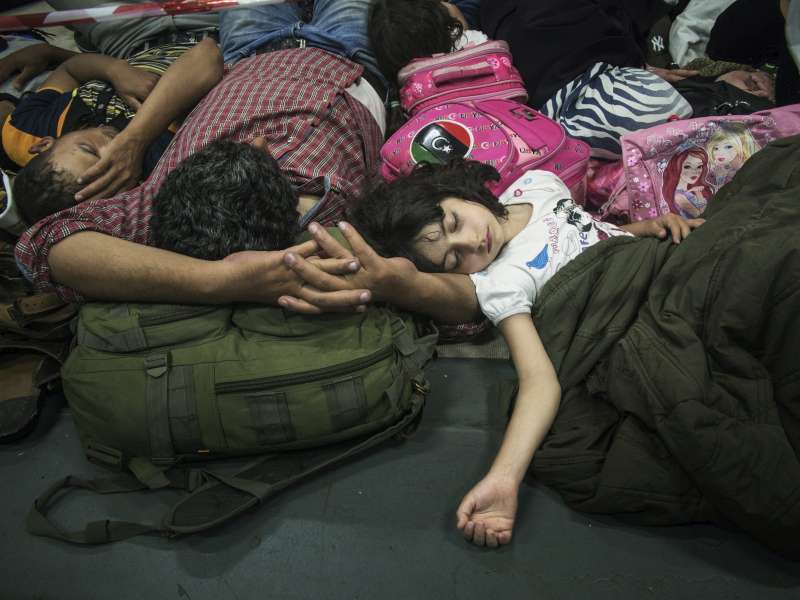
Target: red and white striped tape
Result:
[[111, 12]]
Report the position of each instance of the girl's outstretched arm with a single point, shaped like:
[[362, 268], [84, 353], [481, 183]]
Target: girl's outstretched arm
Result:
[[486, 514]]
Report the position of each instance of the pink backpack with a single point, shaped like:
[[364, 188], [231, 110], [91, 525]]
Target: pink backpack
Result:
[[510, 136], [679, 166], [478, 72]]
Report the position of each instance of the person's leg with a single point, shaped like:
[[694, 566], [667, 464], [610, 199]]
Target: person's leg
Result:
[[340, 27], [243, 30], [608, 102], [120, 38]]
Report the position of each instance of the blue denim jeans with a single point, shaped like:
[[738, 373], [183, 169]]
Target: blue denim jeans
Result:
[[338, 26]]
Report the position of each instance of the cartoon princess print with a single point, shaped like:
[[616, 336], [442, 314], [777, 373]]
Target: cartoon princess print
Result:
[[728, 148], [684, 187]]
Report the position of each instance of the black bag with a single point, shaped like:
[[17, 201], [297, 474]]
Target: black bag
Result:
[[710, 98]]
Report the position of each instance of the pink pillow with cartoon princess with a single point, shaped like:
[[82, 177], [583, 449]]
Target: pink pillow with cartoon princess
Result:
[[679, 166]]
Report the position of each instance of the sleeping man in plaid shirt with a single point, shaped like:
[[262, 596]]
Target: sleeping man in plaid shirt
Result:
[[308, 89]]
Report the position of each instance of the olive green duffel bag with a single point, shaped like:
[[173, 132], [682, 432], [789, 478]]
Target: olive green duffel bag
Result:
[[155, 388]]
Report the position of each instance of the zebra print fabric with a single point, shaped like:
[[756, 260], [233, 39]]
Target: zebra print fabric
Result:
[[606, 102]]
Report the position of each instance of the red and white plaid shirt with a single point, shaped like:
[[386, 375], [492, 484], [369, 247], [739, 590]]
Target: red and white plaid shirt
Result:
[[294, 98]]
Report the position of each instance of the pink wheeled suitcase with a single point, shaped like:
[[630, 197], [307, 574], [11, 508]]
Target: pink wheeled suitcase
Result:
[[480, 72]]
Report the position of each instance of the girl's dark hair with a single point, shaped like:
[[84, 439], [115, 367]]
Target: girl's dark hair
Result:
[[402, 30], [391, 215]]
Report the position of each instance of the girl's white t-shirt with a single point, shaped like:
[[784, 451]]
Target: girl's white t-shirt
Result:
[[558, 231]]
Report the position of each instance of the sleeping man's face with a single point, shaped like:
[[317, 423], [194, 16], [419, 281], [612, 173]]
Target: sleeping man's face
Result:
[[79, 150]]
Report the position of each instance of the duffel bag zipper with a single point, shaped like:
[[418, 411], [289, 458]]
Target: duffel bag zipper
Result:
[[308, 376]]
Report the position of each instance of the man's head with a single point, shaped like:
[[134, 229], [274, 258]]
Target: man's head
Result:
[[49, 182], [226, 198], [402, 30]]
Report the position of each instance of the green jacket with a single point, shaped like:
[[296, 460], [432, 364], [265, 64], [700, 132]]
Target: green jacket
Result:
[[680, 366]]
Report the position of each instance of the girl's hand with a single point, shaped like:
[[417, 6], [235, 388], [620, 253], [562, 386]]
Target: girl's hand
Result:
[[486, 514], [660, 227]]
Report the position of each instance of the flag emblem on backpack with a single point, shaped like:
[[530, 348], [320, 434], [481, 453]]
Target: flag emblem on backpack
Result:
[[440, 142]]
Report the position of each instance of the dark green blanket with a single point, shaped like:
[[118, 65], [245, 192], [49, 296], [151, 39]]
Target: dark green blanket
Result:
[[680, 366]]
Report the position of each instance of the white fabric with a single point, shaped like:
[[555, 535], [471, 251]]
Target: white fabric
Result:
[[470, 37], [793, 30], [688, 36], [558, 231], [362, 91]]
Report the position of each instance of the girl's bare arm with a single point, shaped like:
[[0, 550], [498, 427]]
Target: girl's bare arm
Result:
[[486, 515]]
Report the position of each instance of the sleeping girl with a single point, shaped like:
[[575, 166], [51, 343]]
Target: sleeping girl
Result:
[[443, 218]]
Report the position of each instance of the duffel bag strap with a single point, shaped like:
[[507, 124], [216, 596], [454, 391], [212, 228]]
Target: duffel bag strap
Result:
[[225, 497], [105, 531], [218, 498], [96, 532]]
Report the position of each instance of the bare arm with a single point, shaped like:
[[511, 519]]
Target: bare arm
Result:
[[30, 61], [181, 87], [486, 515], [103, 267], [443, 296], [537, 401], [131, 83]]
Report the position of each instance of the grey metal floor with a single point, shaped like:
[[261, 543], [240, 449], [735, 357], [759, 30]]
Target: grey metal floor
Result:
[[379, 527]]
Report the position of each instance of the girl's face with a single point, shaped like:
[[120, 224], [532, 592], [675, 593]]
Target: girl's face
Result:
[[723, 153], [691, 169], [467, 239]]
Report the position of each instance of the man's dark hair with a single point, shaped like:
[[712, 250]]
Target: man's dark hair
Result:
[[391, 215], [226, 198], [40, 189], [402, 30]]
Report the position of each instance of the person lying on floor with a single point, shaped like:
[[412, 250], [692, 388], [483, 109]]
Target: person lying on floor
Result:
[[103, 249], [98, 124], [676, 362], [27, 58], [444, 219]]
